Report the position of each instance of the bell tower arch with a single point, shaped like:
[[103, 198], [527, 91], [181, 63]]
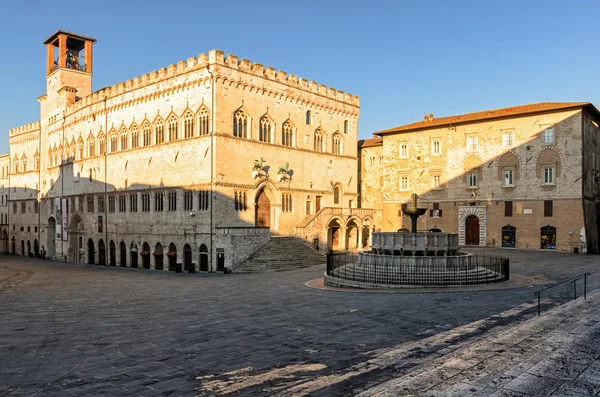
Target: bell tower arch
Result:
[[68, 65]]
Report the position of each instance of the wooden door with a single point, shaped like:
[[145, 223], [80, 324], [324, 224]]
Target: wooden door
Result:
[[472, 230], [263, 210], [318, 204]]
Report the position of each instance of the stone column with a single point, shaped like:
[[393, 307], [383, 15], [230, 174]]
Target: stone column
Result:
[[88, 56], [62, 51], [360, 236], [50, 58]]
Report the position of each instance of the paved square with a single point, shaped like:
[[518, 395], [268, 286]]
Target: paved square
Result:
[[83, 330]]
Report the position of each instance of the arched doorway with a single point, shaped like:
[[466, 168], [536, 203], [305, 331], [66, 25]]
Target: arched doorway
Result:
[[472, 230], [263, 210], [76, 229], [23, 247], [36, 248], [51, 238], [29, 253], [351, 235], [333, 235], [145, 256], [187, 257], [134, 254], [172, 254], [91, 252], [122, 254], [158, 257], [112, 254], [101, 253], [203, 258]]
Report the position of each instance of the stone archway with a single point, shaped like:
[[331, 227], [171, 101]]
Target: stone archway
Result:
[[262, 209], [158, 257], [145, 256], [480, 212], [203, 258], [91, 252], [101, 253], [51, 238], [112, 254], [187, 257], [122, 254], [352, 233], [335, 234]]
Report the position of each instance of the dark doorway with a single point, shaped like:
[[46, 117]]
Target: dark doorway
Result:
[[134, 254], [263, 210], [91, 254], [472, 230], [112, 253], [187, 257], [101, 253], [220, 261], [203, 258], [158, 257], [123, 254], [36, 248], [22, 247], [548, 237], [51, 238], [317, 204], [172, 254], [509, 236], [333, 235], [29, 253], [145, 256]]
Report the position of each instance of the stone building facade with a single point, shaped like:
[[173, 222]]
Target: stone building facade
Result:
[[4, 169], [196, 163], [522, 177]]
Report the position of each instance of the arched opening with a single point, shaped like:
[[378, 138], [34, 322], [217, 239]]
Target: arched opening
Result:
[[112, 254], [36, 248], [187, 257], [134, 254], [122, 254], [333, 235], [509, 236], [548, 237], [29, 253], [263, 210], [91, 253], [101, 253], [472, 230], [203, 258], [351, 235], [145, 256], [158, 257], [23, 247], [76, 238], [366, 233], [336, 194], [51, 238], [172, 254], [14, 248]]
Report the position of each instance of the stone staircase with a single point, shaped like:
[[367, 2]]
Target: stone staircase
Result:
[[281, 254]]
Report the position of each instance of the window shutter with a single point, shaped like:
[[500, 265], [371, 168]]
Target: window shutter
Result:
[[548, 208], [430, 213], [440, 213], [508, 208]]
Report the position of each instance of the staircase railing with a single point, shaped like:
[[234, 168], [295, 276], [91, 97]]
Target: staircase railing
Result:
[[572, 281], [329, 211]]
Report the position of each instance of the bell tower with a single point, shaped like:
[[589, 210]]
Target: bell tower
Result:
[[69, 65]]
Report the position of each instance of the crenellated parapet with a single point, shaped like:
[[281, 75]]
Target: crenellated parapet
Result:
[[35, 126], [213, 57]]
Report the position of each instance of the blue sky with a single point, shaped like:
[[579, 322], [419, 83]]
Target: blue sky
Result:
[[404, 59]]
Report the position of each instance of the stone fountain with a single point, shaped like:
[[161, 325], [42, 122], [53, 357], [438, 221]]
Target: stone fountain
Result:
[[415, 259]]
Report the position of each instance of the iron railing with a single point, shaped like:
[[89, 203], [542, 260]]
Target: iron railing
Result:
[[566, 294], [438, 271]]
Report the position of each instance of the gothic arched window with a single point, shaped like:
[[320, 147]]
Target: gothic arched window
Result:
[[91, 146], [337, 144], [102, 143], [308, 117], [146, 131], [287, 134], [123, 138], [80, 151], [134, 137], [172, 125], [188, 125], [265, 129], [240, 124], [113, 141], [319, 140], [159, 131], [203, 122]]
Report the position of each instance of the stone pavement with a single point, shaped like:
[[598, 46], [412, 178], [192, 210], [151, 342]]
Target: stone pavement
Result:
[[74, 330], [556, 354]]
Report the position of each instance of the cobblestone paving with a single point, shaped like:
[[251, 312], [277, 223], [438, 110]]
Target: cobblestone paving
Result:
[[72, 330]]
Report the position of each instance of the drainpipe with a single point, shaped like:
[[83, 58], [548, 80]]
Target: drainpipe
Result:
[[62, 186]]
